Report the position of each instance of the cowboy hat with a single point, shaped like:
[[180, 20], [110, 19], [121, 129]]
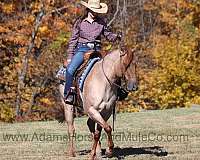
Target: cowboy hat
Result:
[[96, 6]]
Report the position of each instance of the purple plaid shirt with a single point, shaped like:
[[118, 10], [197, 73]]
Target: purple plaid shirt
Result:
[[84, 31]]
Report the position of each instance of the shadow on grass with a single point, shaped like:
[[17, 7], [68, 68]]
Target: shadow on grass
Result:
[[121, 153]]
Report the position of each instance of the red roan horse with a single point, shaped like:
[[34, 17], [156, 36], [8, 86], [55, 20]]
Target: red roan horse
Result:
[[100, 95]]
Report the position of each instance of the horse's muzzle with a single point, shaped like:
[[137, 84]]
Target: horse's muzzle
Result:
[[132, 86]]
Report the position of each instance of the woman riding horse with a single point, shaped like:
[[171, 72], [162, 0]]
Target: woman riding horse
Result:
[[86, 35]]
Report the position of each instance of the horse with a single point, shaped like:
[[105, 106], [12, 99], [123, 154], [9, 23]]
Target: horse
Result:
[[99, 97]]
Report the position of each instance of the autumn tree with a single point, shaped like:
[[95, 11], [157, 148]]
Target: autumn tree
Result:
[[175, 80]]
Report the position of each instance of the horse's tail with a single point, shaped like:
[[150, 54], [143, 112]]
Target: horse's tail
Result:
[[59, 114]]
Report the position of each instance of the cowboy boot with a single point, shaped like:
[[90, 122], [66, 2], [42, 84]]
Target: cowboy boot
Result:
[[69, 98]]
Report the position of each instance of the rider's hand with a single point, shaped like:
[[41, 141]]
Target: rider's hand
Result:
[[66, 62]]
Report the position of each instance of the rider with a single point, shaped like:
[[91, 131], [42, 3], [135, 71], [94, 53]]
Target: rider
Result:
[[86, 35]]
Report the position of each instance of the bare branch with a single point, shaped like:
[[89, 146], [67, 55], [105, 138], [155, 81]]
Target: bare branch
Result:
[[115, 15], [141, 6]]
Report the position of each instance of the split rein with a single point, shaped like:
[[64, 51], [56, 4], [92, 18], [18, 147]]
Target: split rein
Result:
[[109, 81]]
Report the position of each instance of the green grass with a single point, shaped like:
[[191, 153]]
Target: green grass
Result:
[[175, 122]]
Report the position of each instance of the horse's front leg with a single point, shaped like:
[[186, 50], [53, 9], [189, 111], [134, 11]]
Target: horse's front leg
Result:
[[109, 150], [69, 118], [96, 147], [96, 116]]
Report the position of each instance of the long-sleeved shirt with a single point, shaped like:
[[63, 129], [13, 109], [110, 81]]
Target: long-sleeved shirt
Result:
[[83, 31]]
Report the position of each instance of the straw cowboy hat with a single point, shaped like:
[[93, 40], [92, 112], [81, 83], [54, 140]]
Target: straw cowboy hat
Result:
[[96, 6]]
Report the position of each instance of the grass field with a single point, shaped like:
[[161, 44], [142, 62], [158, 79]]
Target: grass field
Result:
[[168, 134]]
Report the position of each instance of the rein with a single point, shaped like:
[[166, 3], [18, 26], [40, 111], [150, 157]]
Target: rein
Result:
[[112, 83]]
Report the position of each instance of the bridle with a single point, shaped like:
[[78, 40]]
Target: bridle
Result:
[[122, 76]]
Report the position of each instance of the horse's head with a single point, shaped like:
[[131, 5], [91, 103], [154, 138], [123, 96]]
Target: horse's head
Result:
[[129, 71]]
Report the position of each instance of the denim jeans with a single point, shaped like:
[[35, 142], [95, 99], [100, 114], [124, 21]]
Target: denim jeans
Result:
[[75, 63]]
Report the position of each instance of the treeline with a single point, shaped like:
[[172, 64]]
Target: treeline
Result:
[[34, 35]]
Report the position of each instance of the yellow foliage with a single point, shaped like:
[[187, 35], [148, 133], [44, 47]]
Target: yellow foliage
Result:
[[46, 101], [175, 81], [38, 42], [22, 50], [43, 29], [7, 8], [29, 20], [3, 29], [6, 113], [176, 77], [59, 24]]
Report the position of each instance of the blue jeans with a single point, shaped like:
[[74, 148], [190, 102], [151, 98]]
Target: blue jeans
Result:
[[75, 63]]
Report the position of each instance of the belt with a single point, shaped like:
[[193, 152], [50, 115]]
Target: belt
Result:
[[91, 45]]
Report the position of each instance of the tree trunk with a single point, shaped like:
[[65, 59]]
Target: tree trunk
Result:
[[22, 73]]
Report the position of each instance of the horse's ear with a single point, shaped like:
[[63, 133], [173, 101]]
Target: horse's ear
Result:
[[122, 48], [128, 57], [134, 51]]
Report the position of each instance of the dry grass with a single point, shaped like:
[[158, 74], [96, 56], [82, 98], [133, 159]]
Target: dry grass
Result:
[[153, 123]]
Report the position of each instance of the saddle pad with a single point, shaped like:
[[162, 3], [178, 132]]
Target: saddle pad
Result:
[[86, 71]]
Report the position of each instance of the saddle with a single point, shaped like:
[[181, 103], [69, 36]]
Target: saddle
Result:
[[90, 58]]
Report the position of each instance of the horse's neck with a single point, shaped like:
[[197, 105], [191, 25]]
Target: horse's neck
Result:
[[115, 65], [111, 64]]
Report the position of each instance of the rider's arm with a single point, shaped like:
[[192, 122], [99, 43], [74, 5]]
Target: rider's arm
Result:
[[112, 37], [73, 40], [109, 35]]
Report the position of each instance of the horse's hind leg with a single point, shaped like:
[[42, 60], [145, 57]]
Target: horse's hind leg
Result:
[[69, 118], [71, 130], [96, 148], [96, 116]]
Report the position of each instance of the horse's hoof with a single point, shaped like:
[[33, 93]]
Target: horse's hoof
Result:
[[91, 157], [71, 154], [98, 156], [109, 153]]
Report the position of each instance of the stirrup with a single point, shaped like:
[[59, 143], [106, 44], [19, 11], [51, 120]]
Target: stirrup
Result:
[[69, 98]]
